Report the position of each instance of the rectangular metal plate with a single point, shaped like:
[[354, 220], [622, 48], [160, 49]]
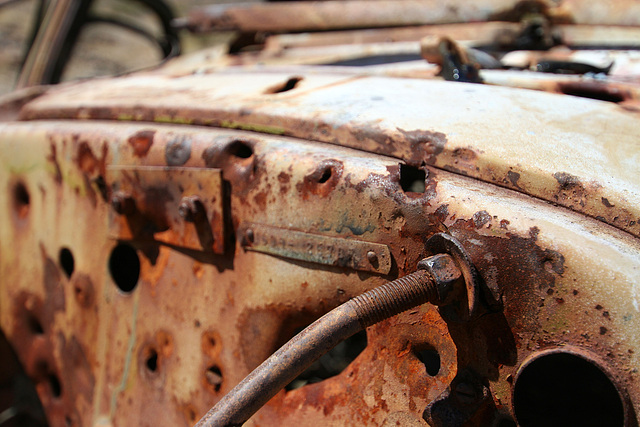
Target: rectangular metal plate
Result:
[[320, 249], [157, 193]]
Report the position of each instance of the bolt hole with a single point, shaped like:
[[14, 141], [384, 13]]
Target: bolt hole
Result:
[[412, 180], [213, 375], [21, 200], [124, 266], [326, 175], [560, 389], [152, 361], [65, 258], [333, 362], [431, 360], [54, 385], [240, 150], [34, 324], [290, 84]]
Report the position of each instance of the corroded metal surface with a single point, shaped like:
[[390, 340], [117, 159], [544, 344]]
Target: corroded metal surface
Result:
[[305, 16], [516, 141], [196, 323], [331, 15]]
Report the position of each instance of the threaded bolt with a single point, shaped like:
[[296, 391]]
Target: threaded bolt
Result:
[[394, 297], [425, 285]]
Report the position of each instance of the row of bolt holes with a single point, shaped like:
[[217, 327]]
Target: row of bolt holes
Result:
[[124, 266]]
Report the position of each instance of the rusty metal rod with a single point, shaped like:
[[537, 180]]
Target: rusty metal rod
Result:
[[317, 339], [333, 15]]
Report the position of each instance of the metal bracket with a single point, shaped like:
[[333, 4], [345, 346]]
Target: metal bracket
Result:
[[177, 206], [317, 248]]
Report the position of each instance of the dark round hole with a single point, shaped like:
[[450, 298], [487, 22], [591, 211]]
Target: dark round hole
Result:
[[124, 266], [21, 199], [333, 362], [326, 175], [54, 385], [562, 389], [65, 258], [34, 324], [412, 179], [152, 360], [431, 360], [213, 374], [240, 149]]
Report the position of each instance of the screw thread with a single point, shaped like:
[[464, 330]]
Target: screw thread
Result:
[[394, 297]]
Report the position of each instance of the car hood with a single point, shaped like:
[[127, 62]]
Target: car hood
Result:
[[578, 153]]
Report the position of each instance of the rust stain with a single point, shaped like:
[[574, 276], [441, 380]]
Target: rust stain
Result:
[[53, 158], [198, 269], [606, 202], [165, 343], [141, 142], [571, 190], [83, 290], [513, 178], [425, 145], [481, 218], [211, 343], [52, 284]]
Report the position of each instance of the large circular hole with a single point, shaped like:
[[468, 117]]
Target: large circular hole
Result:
[[21, 199], [563, 389], [124, 266], [431, 360], [65, 258]]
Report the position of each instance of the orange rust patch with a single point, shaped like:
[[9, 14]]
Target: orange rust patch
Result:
[[141, 142], [152, 273], [198, 270]]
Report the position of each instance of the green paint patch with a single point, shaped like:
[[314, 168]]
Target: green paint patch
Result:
[[125, 117], [274, 130], [173, 120]]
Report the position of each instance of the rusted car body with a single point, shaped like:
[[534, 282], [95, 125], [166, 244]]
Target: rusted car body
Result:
[[163, 233]]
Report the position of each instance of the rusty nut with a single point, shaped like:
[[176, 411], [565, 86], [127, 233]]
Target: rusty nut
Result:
[[446, 275]]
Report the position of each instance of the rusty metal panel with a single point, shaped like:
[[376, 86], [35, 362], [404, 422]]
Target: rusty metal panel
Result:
[[383, 116], [195, 324]]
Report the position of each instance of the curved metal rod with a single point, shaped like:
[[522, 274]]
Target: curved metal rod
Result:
[[321, 336]]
